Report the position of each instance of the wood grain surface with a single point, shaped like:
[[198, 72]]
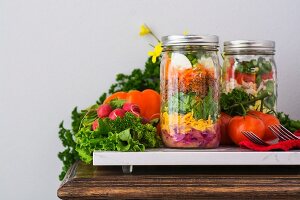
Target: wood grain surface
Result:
[[181, 182]]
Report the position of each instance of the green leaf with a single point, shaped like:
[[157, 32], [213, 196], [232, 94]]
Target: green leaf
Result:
[[236, 96], [125, 135], [117, 103]]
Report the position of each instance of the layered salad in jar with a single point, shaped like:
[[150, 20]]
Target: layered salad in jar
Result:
[[190, 100], [255, 75]]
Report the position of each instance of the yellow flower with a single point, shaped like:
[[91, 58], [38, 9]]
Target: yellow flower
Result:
[[156, 52], [185, 32], [144, 30]]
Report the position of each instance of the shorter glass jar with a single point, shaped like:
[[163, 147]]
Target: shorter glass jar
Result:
[[190, 81], [249, 65]]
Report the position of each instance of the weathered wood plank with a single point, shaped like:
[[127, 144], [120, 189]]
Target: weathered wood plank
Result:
[[182, 182]]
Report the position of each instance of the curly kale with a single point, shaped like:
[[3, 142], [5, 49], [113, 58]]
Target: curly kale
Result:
[[137, 80], [122, 134]]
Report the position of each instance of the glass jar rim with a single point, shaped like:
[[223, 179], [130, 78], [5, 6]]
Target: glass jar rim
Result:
[[190, 40], [249, 46]]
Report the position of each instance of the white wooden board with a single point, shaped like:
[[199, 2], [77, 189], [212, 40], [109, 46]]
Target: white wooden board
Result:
[[219, 156]]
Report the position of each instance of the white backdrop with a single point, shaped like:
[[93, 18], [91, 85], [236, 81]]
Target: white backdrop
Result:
[[56, 54]]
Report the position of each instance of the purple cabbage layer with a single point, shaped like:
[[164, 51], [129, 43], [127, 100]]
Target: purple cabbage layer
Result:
[[209, 138]]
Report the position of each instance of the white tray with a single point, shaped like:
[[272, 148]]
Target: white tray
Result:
[[219, 156]]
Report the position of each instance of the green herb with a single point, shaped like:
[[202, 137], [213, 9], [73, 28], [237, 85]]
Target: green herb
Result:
[[206, 108], [181, 103], [185, 103], [117, 103], [137, 80], [192, 58], [238, 102], [247, 67], [269, 102], [69, 155], [123, 134], [235, 97], [287, 122]]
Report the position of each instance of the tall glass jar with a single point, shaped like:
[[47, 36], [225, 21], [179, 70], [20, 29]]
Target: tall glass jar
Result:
[[190, 80], [249, 65]]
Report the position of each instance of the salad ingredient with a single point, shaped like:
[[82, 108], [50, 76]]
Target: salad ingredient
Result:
[[225, 119], [122, 134], [117, 103], [268, 120], [235, 97], [189, 115], [69, 155], [118, 112], [287, 122], [117, 95], [245, 123], [148, 100], [138, 79], [255, 76], [95, 125], [180, 61], [238, 102], [130, 107], [104, 110]]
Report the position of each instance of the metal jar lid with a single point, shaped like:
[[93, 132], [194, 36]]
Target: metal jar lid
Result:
[[190, 40], [249, 47]]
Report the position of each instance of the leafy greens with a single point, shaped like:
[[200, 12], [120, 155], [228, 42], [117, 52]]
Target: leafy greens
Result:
[[123, 134], [137, 80]]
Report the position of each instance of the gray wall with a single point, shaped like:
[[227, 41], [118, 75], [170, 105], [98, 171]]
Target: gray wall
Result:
[[56, 54]]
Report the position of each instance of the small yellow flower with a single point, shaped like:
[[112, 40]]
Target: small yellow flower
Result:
[[144, 30], [185, 32], [156, 52]]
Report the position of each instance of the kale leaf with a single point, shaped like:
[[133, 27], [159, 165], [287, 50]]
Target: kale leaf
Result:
[[123, 134], [138, 79]]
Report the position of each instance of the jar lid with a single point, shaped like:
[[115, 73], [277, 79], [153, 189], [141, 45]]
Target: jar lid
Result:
[[181, 40], [258, 46]]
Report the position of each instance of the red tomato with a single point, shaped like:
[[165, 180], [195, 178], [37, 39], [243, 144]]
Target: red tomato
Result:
[[245, 123], [249, 78], [239, 77], [268, 120], [267, 76], [225, 139]]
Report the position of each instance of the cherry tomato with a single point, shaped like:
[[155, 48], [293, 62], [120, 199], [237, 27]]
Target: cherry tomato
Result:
[[225, 139], [268, 120], [249, 78], [239, 77], [245, 123], [267, 76]]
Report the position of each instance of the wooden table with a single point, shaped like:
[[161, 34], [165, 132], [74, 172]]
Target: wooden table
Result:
[[181, 182]]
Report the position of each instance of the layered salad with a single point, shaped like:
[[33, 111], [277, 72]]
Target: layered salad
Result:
[[190, 100], [255, 76]]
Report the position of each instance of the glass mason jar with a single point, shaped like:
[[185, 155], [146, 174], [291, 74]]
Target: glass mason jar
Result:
[[190, 80], [249, 65]]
